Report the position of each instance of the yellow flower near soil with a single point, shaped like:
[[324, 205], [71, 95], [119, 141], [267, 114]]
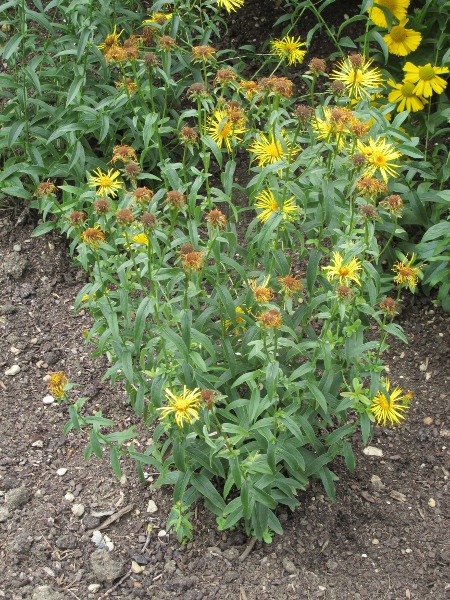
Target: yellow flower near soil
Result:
[[230, 5], [398, 9], [159, 18], [426, 79], [111, 39], [269, 206], [390, 406], [406, 273], [357, 75], [270, 149], [56, 384], [222, 130], [403, 94], [402, 41], [381, 156], [337, 270], [106, 183], [289, 48], [183, 406]]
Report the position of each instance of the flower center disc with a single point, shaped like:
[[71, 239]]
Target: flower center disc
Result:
[[273, 150], [398, 34], [384, 403], [426, 73], [343, 271], [407, 89], [274, 206]]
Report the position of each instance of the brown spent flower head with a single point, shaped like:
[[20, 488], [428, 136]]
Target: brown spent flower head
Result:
[[123, 153], [341, 115], [175, 199], [250, 88], [45, 188], [389, 306], [282, 86], [128, 84], [262, 293], [142, 194], [224, 76], [124, 217], [217, 218], [102, 206], [131, 48], [132, 170], [270, 319], [359, 160], [186, 249], [357, 60], [203, 53], [371, 186], [344, 292], [208, 397], [265, 84], [56, 384], [304, 113], [317, 65], [197, 90], [369, 212], [290, 285], [148, 220], [358, 128], [147, 36], [394, 204], [150, 59], [93, 237], [114, 54], [192, 261], [235, 114], [338, 88], [77, 217], [188, 135], [166, 42]]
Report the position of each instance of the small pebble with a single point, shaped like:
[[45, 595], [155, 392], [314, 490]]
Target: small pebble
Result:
[[428, 421], [432, 503], [61, 472], [375, 542], [94, 587], [48, 400], [12, 370], [372, 451], [69, 497], [78, 510], [162, 533], [38, 444], [151, 507], [17, 247]]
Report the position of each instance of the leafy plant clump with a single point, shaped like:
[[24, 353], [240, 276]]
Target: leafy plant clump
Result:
[[241, 240]]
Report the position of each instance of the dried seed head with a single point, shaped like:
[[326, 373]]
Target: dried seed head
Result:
[[77, 217], [147, 37], [389, 306], [193, 261], [344, 292], [369, 212], [357, 60], [270, 318], [265, 84], [224, 76], [175, 199], [304, 113], [101, 206], [359, 160], [203, 52], [188, 135], [124, 217], [197, 90], [317, 65], [167, 42], [358, 128], [341, 115], [132, 170], [282, 86], [290, 285], [142, 194], [338, 88], [148, 220], [123, 153], [186, 249], [217, 218], [393, 204], [208, 397], [150, 59], [371, 186], [93, 237], [46, 188]]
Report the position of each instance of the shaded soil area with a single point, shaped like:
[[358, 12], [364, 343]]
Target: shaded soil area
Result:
[[386, 537]]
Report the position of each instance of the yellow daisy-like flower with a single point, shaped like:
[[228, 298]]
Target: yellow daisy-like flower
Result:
[[333, 125], [391, 406], [271, 149], [250, 88], [403, 93], [140, 238], [402, 41], [406, 273], [222, 130], [93, 237], [426, 78], [357, 76], [380, 156], [337, 269], [159, 18], [262, 293], [106, 183], [56, 384], [230, 5], [240, 322], [183, 406], [267, 203], [397, 7], [289, 48], [111, 39]]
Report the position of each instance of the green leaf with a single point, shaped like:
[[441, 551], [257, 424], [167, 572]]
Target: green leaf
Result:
[[43, 228], [312, 269], [97, 449], [114, 457], [227, 301], [209, 492], [74, 88]]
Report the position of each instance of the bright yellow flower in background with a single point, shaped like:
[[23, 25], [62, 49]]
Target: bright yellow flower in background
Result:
[[391, 406], [271, 149], [289, 48], [267, 203], [230, 5], [357, 76], [159, 18], [403, 93], [140, 238], [111, 39], [106, 183], [240, 322], [402, 41], [426, 78], [184, 406], [380, 156], [398, 9], [333, 126], [406, 273], [222, 130], [337, 269]]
